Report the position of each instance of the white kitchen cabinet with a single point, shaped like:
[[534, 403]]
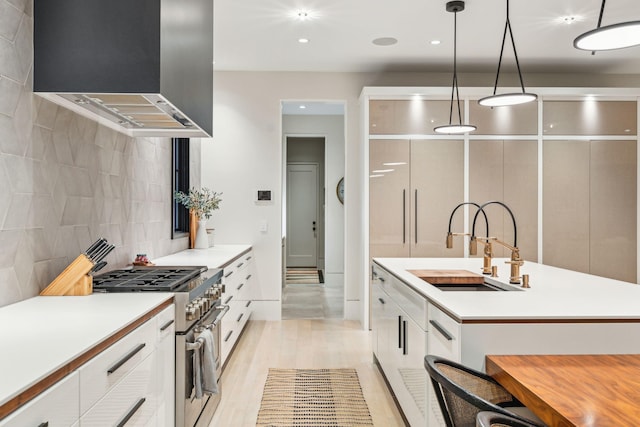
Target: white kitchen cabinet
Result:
[[165, 367], [108, 368], [73, 349], [141, 385], [58, 406], [400, 346], [238, 279], [133, 400], [443, 335]]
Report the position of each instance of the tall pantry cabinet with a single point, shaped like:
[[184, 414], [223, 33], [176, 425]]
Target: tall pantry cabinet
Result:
[[414, 182], [413, 186]]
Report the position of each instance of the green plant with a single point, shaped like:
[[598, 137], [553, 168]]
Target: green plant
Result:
[[202, 202]]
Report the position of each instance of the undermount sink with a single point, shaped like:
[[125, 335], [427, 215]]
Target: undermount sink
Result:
[[461, 281], [482, 287]]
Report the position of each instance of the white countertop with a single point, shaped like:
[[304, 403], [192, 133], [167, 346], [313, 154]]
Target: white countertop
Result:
[[213, 257], [555, 293], [40, 335]]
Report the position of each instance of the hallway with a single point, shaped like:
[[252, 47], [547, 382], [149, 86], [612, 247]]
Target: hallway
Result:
[[313, 301], [307, 343]]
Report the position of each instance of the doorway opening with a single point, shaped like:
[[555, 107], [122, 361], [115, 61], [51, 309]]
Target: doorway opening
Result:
[[313, 216]]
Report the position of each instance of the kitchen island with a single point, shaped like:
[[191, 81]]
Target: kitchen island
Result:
[[563, 312]]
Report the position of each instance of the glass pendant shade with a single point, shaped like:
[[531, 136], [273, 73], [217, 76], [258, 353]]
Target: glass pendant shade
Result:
[[507, 99], [616, 36], [451, 128]]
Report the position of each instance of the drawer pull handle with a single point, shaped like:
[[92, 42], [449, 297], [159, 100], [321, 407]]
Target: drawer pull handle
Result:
[[399, 331], [228, 274], [248, 303], [248, 277], [44, 424], [442, 330], [229, 299], [228, 336], [125, 359], [381, 301], [381, 279], [248, 258], [166, 325], [240, 265], [131, 412], [239, 317], [404, 337], [240, 286]]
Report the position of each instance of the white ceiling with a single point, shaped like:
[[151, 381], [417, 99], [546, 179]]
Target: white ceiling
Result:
[[263, 35]]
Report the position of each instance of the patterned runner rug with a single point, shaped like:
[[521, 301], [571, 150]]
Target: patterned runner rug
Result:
[[305, 276], [313, 397]]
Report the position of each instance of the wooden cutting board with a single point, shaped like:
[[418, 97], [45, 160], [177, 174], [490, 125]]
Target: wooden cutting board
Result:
[[462, 277]]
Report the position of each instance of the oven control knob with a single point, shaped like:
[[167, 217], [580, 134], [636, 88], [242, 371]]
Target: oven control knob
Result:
[[191, 312], [212, 294], [203, 303]]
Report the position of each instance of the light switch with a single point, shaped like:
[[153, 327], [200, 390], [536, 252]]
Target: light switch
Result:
[[263, 227]]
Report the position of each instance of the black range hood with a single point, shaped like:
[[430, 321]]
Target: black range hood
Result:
[[144, 67]]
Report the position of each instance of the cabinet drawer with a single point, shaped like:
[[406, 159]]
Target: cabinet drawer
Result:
[[108, 368], [134, 397], [165, 323], [58, 406], [443, 335], [380, 276], [232, 325], [412, 302]]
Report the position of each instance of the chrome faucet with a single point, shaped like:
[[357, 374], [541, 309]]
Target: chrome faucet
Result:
[[450, 234], [516, 262]]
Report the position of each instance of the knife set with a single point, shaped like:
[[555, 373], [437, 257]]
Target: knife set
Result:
[[76, 279]]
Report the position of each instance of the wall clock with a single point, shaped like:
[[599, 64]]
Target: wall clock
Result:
[[340, 190]]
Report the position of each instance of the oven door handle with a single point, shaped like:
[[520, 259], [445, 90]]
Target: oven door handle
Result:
[[225, 310]]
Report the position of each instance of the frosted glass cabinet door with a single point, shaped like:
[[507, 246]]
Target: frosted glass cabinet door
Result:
[[389, 198]]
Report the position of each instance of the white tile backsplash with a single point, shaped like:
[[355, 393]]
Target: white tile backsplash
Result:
[[68, 181]]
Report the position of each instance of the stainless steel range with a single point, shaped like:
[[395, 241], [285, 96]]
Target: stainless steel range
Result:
[[196, 292]]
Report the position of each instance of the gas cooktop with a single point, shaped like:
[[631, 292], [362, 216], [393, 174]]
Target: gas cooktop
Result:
[[161, 279]]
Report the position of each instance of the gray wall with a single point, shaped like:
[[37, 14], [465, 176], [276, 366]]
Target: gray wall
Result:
[[67, 181]]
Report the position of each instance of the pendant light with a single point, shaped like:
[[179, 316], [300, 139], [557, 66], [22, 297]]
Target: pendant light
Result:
[[615, 36], [508, 98], [455, 7]]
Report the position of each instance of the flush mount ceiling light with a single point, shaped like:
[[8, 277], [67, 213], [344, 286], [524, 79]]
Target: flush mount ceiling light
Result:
[[303, 40], [455, 7], [615, 36], [506, 99]]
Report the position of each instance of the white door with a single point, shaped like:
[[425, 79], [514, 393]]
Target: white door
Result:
[[302, 215]]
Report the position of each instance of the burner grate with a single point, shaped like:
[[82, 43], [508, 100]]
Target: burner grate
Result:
[[145, 279]]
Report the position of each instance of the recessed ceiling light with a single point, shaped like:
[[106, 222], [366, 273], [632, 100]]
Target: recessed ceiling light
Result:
[[385, 41], [303, 107], [302, 15], [303, 40], [435, 42]]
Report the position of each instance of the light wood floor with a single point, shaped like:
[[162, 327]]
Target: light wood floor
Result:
[[302, 343]]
